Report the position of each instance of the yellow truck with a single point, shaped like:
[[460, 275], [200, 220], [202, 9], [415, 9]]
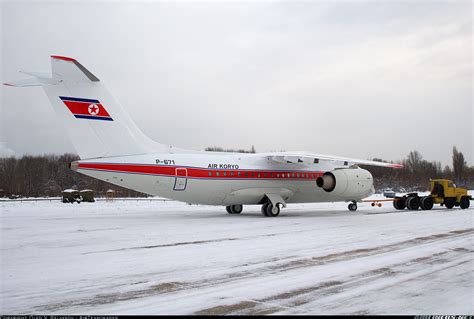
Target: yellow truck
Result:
[[442, 191]]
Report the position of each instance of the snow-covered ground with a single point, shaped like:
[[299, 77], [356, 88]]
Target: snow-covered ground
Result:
[[155, 257]]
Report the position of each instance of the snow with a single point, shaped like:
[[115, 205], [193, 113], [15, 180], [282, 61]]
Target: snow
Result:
[[165, 257], [70, 191]]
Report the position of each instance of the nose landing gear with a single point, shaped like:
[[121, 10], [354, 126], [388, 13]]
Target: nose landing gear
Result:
[[352, 206]]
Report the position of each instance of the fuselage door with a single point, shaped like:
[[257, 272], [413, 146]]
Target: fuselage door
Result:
[[181, 179]]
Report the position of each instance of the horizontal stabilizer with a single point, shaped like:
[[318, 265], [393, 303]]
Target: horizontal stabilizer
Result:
[[24, 83], [37, 79]]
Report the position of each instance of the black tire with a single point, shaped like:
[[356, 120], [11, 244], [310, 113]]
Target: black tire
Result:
[[399, 204], [272, 211], [264, 209], [413, 203], [465, 202], [352, 207], [427, 203], [236, 209], [449, 202]]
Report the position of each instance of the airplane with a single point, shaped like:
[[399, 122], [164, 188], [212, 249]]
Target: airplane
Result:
[[113, 149]]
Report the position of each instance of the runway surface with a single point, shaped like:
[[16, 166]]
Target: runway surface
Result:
[[151, 257]]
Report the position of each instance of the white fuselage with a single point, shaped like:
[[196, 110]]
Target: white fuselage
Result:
[[219, 178]]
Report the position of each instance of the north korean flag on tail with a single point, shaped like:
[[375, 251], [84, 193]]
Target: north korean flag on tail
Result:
[[86, 108]]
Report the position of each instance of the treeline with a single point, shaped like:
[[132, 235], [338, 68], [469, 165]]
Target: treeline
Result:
[[49, 175], [416, 173]]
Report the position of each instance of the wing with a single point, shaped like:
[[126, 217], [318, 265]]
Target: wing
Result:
[[319, 158]]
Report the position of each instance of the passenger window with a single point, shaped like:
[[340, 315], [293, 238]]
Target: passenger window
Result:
[[209, 173], [217, 174]]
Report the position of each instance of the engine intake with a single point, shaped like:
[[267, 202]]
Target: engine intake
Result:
[[347, 182], [327, 181]]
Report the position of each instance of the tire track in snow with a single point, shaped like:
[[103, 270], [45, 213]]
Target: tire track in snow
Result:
[[197, 242], [326, 292], [172, 287]]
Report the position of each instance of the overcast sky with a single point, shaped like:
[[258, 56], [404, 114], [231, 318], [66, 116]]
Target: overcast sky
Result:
[[349, 78]]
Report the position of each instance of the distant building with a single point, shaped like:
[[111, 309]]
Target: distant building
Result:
[[87, 195], [71, 196], [110, 194]]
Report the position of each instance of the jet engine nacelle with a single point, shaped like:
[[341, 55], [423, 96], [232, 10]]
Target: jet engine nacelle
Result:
[[351, 183]]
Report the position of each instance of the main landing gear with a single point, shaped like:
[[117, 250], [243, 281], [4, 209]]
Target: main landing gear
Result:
[[234, 209], [270, 210], [271, 206]]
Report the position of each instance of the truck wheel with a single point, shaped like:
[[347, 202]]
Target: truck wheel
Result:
[[465, 202], [449, 202], [399, 204], [427, 203], [413, 203]]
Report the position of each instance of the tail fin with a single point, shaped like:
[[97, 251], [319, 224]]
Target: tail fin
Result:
[[97, 124]]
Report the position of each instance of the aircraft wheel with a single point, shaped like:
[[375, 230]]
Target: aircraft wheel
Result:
[[264, 209], [449, 202], [465, 202], [427, 203], [236, 209], [352, 207], [272, 211], [413, 203]]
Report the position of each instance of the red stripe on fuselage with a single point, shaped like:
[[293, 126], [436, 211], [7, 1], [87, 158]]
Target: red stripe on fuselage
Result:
[[194, 172]]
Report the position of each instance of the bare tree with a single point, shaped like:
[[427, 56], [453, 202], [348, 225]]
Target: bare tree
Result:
[[459, 164]]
